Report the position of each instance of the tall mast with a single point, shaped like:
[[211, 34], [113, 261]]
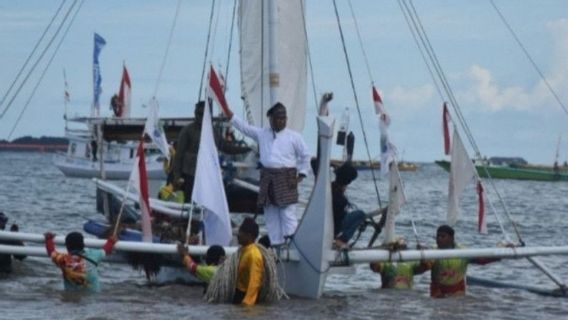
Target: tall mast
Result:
[[274, 75]]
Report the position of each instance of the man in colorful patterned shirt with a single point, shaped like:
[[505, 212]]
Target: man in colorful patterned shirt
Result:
[[78, 265]]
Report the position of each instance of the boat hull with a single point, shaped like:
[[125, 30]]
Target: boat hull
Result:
[[516, 173], [85, 168]]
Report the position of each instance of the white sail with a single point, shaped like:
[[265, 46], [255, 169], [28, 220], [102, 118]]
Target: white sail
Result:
[[292, 60]]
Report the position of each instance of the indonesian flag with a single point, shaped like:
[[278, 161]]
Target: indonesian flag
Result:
[[481, 222], [396, 200], [378, 102], [208, 188], [154, 130], [462, 172], [216, 90], [139, 180], [387, 148], [445, 120], [124, 94]]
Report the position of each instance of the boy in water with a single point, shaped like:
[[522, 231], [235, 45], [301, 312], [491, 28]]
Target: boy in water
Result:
[[79, 265], [213, 258]]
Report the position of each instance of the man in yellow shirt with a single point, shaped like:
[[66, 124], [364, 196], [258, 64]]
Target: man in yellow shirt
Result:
[[251, 265]]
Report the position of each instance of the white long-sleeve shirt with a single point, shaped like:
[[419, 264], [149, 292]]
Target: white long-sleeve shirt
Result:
[[285, 148]]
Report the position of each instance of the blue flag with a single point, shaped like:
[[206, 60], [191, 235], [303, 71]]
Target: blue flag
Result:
[[99, 44]]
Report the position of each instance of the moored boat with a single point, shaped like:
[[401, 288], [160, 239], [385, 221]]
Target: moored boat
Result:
[[516, 172]]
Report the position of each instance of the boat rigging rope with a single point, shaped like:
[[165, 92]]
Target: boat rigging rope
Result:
[[312, 76], [215, 26], [39, 58], [30, 56], [371, 78], [356, 100], [230, 45], [160, 73], [25, 107], [527, 54], [417, 24], [426, 62], [206, 50]]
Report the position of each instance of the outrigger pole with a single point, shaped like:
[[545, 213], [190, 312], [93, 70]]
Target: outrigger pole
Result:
[[296, 253]]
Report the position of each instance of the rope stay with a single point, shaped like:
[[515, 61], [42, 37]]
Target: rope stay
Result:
[[229, 49], [417, 25], [348, 63], [27, 103], [529, 57], [168, 45], [206, 53], [30, 56], [38, 60], [312, 75]]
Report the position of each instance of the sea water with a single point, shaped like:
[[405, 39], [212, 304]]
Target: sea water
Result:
[[36, 196]]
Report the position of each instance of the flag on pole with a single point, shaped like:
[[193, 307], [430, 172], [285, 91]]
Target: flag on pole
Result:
[[445, 121], [387, 148], [154, 130], [462, 172], [396, 200], [139, 180], [99, 44], [208, 189], [378, 102], [124, 94], [67, 96], [216, 90], [481, 222]]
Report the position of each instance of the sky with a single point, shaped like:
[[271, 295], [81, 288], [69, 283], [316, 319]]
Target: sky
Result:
[[508, 109]]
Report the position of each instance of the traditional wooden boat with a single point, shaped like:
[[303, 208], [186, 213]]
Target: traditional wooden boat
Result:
[[516, 172]]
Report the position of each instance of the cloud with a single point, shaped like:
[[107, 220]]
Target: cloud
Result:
[[490, 96], [410, 98]]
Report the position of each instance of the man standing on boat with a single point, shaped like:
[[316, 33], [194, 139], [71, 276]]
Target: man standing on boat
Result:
[[185, 159], [186, 154], [285, 160]]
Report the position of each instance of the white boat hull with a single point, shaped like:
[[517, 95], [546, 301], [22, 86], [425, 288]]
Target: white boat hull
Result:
[[85, 168]]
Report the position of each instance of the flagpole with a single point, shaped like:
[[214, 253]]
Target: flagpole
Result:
[[65, 98]]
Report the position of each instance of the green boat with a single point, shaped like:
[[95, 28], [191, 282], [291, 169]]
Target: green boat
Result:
[[516, 171]]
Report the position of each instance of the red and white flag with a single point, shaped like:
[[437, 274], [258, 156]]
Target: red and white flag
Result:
[[378, 102], [481, 222], [124, 94], [446, 128], [387, 148], [216, 90], [462, 172], [139, 180]]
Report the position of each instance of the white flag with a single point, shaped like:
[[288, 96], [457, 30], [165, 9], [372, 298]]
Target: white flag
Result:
[[396, 200], [208, 189], [155, 130], [462, 172]]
